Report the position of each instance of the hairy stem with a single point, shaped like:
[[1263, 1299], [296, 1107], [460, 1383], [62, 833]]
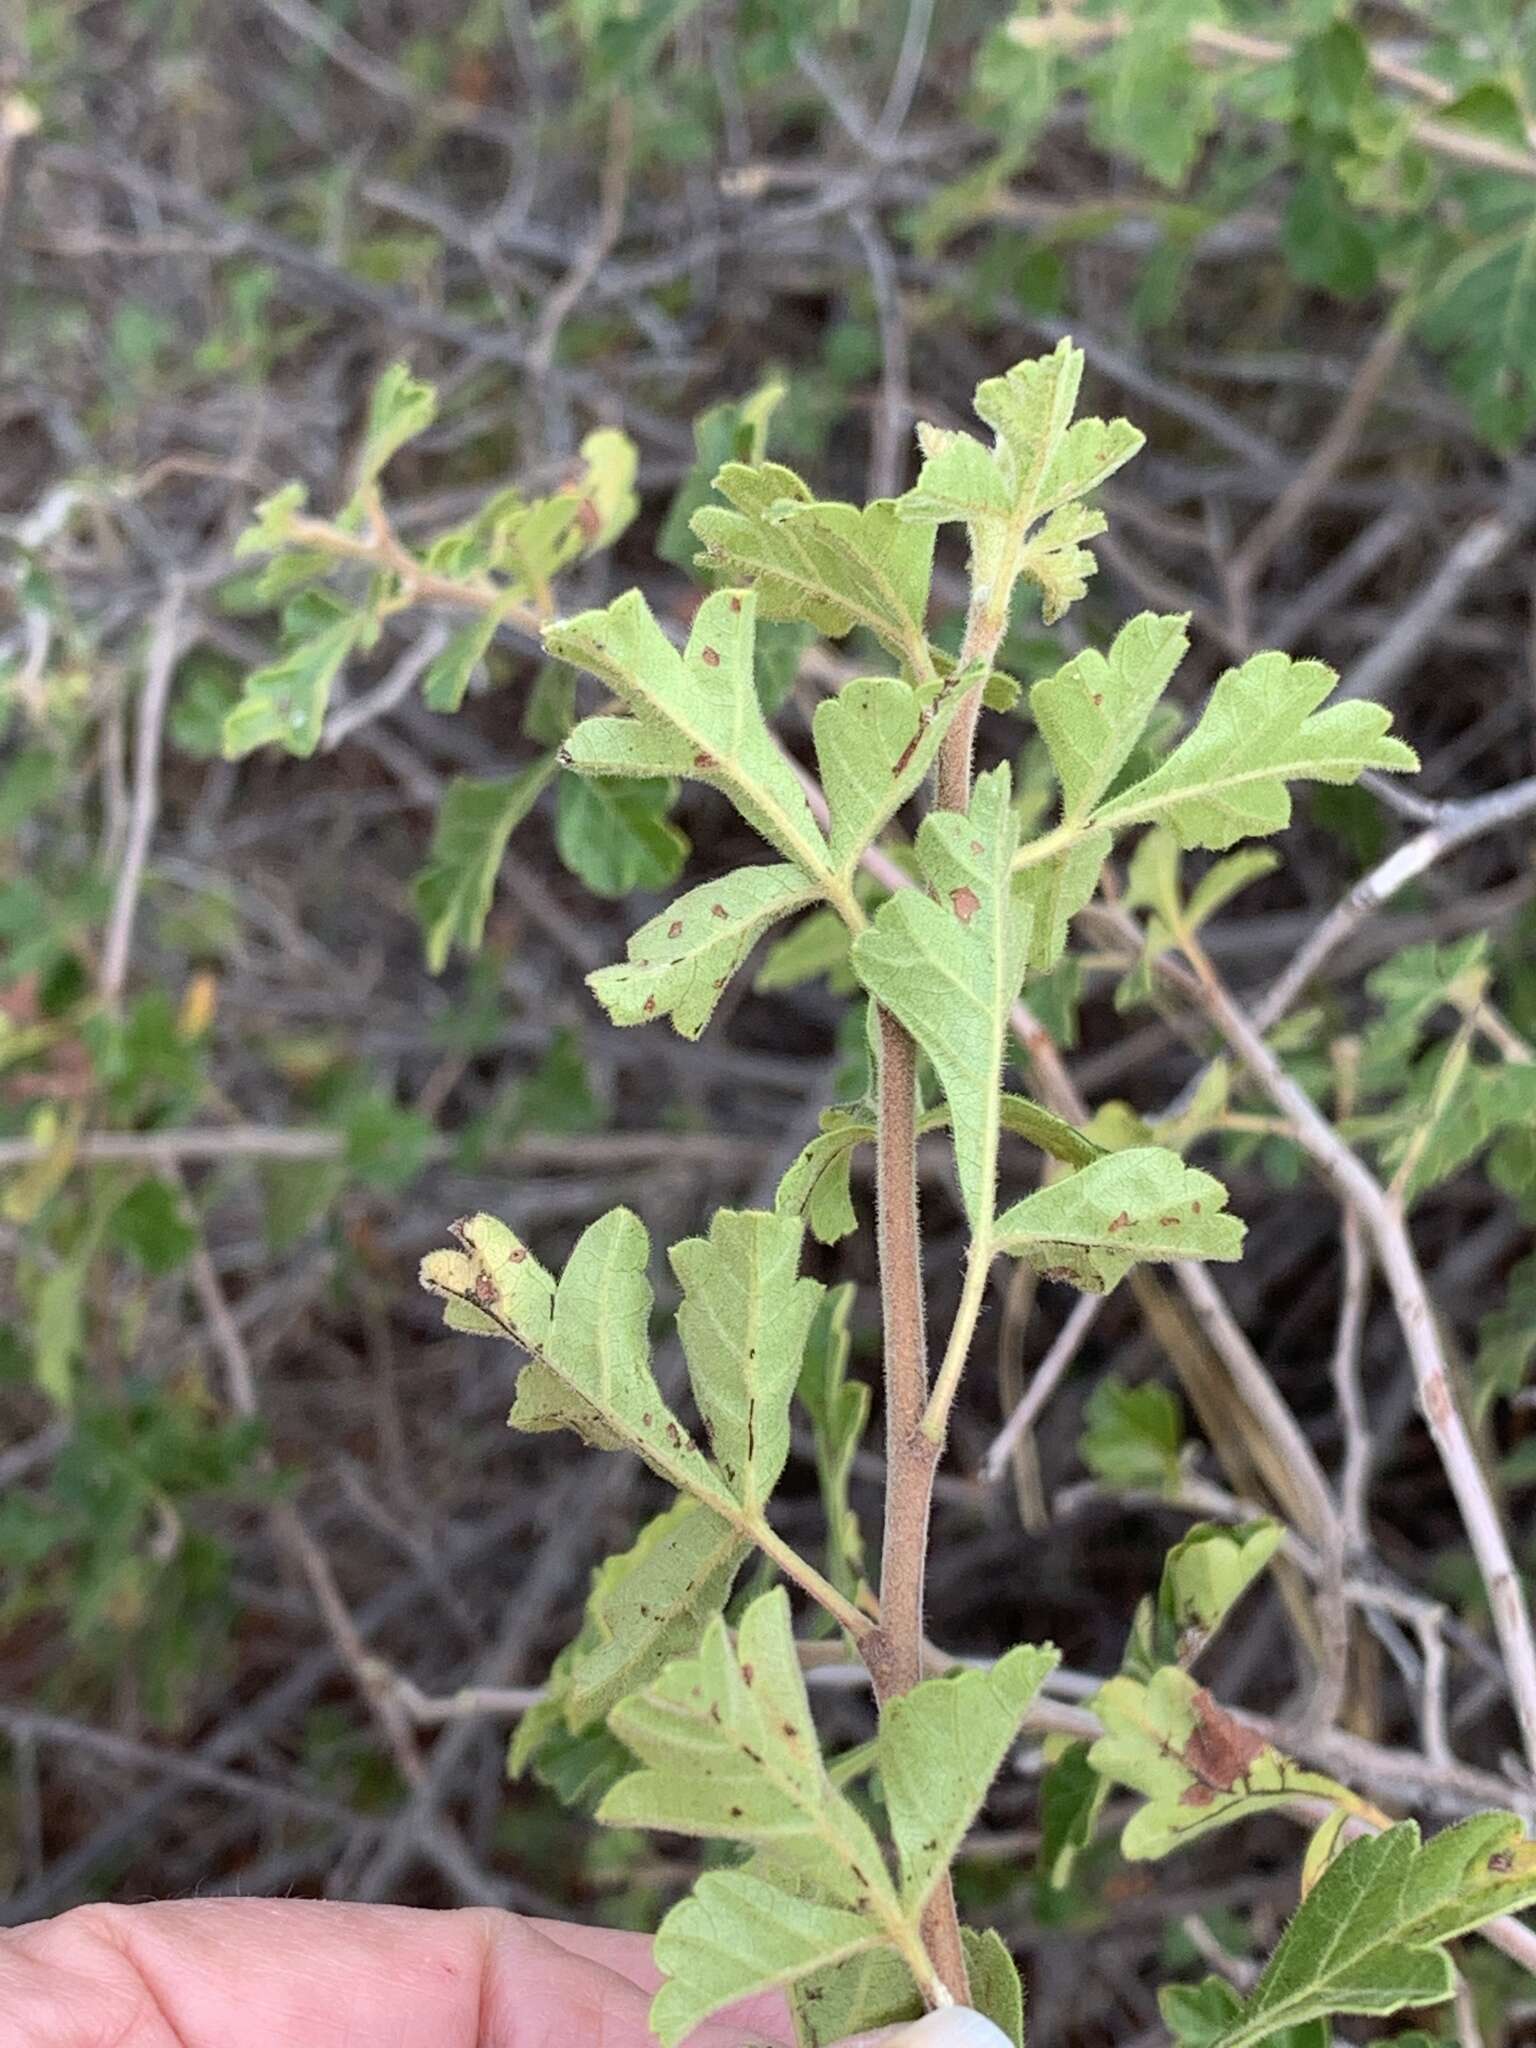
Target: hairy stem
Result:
[[894, 1652]]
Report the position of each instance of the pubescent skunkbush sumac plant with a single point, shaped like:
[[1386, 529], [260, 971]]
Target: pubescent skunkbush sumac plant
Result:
[[683, 1713]]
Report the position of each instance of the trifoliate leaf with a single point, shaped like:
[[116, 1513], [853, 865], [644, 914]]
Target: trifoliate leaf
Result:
[[1204, 1576], [1260, 730], [1368, 1937], [286, 701], [834, 566], [474, 822], [1129, 1207], [616, 835], [875, 742], [695, 714], [744, 1319], [401, 408], [736, 1936], [680, 961], [1038, 469], [950, 965], [1092, 711], [1197, 1766], [838, 1408], [939, 1748], [588, 1339], [728, 1751]]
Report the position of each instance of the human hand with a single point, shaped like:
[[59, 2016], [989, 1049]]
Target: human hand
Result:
[[288, 1973]]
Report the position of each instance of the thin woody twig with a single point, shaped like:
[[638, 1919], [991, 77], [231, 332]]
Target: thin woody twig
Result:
[[1386, 1225], [1047, 1376], [159, 668]]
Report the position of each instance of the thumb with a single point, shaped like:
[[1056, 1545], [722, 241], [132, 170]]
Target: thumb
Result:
[[955, 2027]]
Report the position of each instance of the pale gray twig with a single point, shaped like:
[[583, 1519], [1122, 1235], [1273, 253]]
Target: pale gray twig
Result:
[[159, 668]]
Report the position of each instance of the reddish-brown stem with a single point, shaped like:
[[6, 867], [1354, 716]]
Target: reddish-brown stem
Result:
[[894, 1651], [896, 1654]]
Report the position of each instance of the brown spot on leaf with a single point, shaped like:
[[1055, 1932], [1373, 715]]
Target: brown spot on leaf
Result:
[[906, 753], [1501, 1862], [1121, 1222], [1098, 699], [1168, 1222], [1220, 1749], [589, 519], [675, 928], [485, 1289], [1196, 1795], [1196, 1207], [977, 847], [747, 1674], [649, 1005], [711, 657], [516, 1256], [705, 761], [966, 903], [718, 910], [735, 604]]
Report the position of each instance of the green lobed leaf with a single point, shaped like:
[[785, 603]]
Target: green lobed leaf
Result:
[[818, 1185], [1204, 1576], [695, 714], [401, 407], [1196, 1766], [445, 682], [939, 1748], [744, 1320], [950, 965], [1133, 1436], [680, 960], [616, 835], [1039, 468], [1054, 888], [831, 565], [587, 1337], [1261, 729], [728, 1751], [855, 1996], [1368, 1937], [285, 702], [838, 1409], [1124, 1209], [735, 1936], [1092, 711], [1197, 2014], [649, 1604], [475, 820], [734, 431], [875, 742], [997, 1990]]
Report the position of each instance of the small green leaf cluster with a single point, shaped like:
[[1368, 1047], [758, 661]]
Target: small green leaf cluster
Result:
[[1413, 179]]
